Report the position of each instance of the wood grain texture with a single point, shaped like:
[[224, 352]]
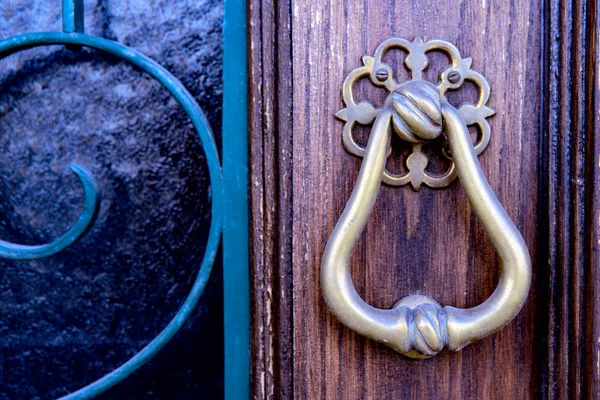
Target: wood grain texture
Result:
[[541, 60], [271, 197], [570, 157], [591, 242], [425, 242]]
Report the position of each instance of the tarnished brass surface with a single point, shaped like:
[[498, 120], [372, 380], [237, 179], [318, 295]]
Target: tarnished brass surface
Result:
[[418, 111]]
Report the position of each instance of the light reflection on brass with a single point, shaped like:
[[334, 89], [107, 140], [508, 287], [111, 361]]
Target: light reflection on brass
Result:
[[417, 111]]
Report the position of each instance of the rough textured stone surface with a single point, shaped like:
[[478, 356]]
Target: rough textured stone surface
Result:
[[68, 319]]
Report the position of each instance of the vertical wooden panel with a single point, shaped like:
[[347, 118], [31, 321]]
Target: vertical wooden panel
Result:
[[417, 242], [271, 197], [570, 157], [541, 60], [592, 182]]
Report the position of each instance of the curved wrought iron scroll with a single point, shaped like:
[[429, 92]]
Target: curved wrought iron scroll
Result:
[[91, 205], [73, 35]]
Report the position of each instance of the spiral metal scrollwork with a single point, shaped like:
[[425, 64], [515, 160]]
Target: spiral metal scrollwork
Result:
[[91, 205], [73, 37]]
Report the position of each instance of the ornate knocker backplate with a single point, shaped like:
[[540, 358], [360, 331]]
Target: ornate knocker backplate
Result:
[[381, 74]]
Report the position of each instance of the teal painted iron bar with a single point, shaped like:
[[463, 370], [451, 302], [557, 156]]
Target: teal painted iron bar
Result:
[[91, 206], [72, 16], [236, 272]]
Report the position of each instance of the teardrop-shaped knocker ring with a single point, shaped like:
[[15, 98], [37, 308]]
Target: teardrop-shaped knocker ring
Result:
[[417, 326]]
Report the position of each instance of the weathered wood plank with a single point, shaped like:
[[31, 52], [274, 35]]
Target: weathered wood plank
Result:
[[271, 196], [591, 242], [541, 60], [427, 242], [570, 221]]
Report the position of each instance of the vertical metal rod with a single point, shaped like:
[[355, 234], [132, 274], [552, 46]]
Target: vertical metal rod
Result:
[[236, 271], [72, 16]]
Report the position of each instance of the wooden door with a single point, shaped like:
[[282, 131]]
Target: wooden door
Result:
[[541, 61]]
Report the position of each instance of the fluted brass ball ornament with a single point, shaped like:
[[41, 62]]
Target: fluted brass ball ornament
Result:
[[419, 112]]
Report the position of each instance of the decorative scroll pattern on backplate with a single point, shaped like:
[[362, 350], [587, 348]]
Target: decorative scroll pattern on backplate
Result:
[[381, 74]]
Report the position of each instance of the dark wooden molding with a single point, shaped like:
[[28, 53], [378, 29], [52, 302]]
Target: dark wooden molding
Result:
[[270, 100], [569, 180], [592, 182]]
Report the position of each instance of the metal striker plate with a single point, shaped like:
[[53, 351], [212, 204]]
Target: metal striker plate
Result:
[[381, 74]]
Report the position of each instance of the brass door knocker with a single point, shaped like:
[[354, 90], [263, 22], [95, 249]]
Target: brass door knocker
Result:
[[418, 112]]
